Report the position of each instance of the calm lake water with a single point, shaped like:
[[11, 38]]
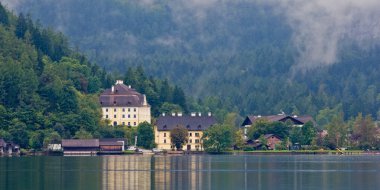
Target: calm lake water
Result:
[[290, 172]]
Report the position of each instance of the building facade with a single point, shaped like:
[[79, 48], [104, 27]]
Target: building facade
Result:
[[194, 123], [123, 105]]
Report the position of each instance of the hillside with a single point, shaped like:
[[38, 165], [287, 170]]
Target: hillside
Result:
[[248, 56], [49, 91]]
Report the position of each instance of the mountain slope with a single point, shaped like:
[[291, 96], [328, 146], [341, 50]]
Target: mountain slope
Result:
[[255, 57]]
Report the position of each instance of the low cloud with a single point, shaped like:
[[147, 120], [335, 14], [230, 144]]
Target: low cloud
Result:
[[321, 26]]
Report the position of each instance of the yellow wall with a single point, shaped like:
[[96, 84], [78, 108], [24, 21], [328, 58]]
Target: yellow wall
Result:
[[136, 115], [161, 136]]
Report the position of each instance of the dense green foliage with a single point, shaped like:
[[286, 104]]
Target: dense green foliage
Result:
[[262, 127], [49, 92], [178, 136], [145, 135], [218, 138], [238, 51]]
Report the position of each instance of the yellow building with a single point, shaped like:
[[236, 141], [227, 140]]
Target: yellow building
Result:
[[195, 124], [123, 105]]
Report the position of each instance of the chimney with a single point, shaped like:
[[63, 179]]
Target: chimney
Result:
[[193, 114], [145, 103], [113, 89], [129, 86], [179, 114], [199, 114], [259, 116], [295, 116], [173, 114], [209, 114], [163, 114]]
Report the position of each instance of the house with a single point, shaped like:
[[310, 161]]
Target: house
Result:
[[9, 147], [272, 141], [80, 146], [123, 105], [194, 123], [297, 121], [2, 146], [111, 146]]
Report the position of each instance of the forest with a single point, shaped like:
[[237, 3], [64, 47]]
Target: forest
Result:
[[49, 91], [240, 53]]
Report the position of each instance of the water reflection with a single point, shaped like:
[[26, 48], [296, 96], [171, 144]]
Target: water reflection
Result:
[[191, 172]]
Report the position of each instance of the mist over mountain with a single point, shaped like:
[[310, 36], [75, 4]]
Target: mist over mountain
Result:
[[257, 57]]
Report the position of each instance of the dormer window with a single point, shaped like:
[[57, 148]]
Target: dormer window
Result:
[[199, 126], [188, 126], [114, 102], [165, 126]]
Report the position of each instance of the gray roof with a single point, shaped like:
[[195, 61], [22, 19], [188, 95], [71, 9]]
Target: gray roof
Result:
[[121, 96], [192, 123], [80, 142]]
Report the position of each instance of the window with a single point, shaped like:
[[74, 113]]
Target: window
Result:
[[196, 140], [129, 123], [106, 116], [123, 123], [190, 134], [197, 147], [114, 123], [164, 134], [114, 116], [115, 110], [191, 141], [197, 134], [129, 116], [123, 109], [107, 110], [123, 116], [134, 123], [134, 116], [129, 109], [164, 140], [134, 109]]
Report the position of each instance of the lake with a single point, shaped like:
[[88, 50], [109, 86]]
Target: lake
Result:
[[290, 172]]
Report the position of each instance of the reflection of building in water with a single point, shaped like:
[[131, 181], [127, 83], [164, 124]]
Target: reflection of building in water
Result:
[[126, 172], [176, 172], [142, 172]]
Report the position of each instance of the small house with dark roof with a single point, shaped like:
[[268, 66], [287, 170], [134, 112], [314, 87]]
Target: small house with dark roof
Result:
[[80, 146], [194, 123], [123, 105], [297, 121]]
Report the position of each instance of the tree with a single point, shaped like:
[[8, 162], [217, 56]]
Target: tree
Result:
[[337, 132], [82, 134], [218, 138], [308, 133], [18, 131], [364, 132], [3, 16], [145, 135], [179, 136], [36, 140]]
